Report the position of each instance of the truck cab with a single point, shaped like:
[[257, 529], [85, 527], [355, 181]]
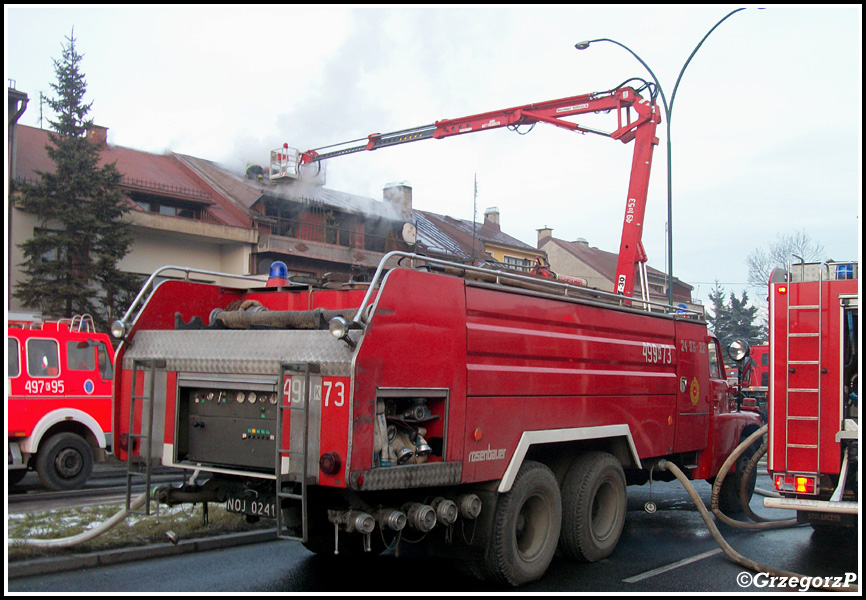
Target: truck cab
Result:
[[59, 394]]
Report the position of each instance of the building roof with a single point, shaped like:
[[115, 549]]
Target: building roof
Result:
[[162, 175], [436, 241], [458, 237], [139, 169], [230, 197], [248, 192], [601, 261]]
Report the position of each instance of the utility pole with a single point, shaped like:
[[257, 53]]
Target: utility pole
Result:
[[474, 213]]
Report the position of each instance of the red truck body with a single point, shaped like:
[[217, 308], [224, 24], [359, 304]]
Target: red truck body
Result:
[[59, 399], [500, 416], [813, 420], [484, 371]]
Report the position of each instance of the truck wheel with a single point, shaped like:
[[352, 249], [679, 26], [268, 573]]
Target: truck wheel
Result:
[[729, 493], [64, 462], [593, 507], [525, 527]]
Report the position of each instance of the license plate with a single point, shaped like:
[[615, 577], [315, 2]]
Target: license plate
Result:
[[253, 507]]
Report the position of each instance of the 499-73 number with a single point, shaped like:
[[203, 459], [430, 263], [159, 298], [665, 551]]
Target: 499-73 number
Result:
[[658, 353]]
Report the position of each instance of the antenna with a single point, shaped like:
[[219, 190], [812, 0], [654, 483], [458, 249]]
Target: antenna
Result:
[[474, 213], [41, 100]]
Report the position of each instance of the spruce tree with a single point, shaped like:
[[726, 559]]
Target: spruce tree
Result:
[[71, 261], [734, 319]]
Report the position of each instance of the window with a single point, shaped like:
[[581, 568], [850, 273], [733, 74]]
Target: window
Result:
[[53, 254], [105, 367], [13, 367], [765, 359], [80, 356], [713, 356], [520, 264], [43, 358], [163, 206]]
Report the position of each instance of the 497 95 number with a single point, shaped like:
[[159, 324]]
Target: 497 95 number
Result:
[[44, 386]]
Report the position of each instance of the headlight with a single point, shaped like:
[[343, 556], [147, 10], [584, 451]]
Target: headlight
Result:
[[118, 329], [339, 327]]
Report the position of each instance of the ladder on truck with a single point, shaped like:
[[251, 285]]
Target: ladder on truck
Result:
[[141, 466], [807, 419], [294, 401]]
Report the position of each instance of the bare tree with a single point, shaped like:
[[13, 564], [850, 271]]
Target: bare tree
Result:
[[763, 260]]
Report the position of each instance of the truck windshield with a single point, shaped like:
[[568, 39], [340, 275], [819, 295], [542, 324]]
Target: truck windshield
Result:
[[80, 356]]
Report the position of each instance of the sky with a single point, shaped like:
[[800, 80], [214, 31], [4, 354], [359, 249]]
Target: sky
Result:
[[766, 139]]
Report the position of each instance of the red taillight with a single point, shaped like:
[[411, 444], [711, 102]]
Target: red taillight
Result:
[[799, 484], [329, 463]]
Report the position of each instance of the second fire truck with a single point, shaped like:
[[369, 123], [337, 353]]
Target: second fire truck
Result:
[[58, 395], [813, 414]]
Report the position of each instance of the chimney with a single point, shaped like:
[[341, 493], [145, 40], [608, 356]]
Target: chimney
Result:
[[400, 196], [543, 233], [491, 216], [582, 242], [98, 134]]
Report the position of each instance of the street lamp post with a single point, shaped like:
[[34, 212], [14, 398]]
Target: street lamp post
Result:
[[669, 107]]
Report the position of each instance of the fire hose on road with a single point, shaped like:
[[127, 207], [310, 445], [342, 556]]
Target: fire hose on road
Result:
[[85, 536], [732, 554]]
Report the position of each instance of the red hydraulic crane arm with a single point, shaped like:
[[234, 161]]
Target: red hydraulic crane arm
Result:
[[641, 129]]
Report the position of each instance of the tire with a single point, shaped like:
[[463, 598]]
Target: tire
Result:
[[526, 527], [64, 462], [729, 493], [593, 507]]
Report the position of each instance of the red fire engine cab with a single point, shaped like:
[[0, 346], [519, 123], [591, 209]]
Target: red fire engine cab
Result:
[[813, 392], [59, 395], [497, 416]]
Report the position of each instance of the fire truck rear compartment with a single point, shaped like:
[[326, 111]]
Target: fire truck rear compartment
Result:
[[230, 423], [227, 392]]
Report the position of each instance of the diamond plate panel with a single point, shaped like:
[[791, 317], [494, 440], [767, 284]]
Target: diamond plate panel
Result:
[[241, 351], [411, 476]]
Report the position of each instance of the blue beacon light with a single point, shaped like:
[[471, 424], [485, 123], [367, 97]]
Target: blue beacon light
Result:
[[278, 275]]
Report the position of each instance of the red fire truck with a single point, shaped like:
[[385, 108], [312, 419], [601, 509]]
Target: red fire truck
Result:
[[59, 394], [758, 374], [813, 392], [752, 375], [498, 416]]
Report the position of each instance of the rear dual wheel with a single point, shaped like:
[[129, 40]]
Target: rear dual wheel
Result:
[[593, 507]]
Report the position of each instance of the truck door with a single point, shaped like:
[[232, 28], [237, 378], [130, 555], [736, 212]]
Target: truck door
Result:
[[694, 389], [89, 371]]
